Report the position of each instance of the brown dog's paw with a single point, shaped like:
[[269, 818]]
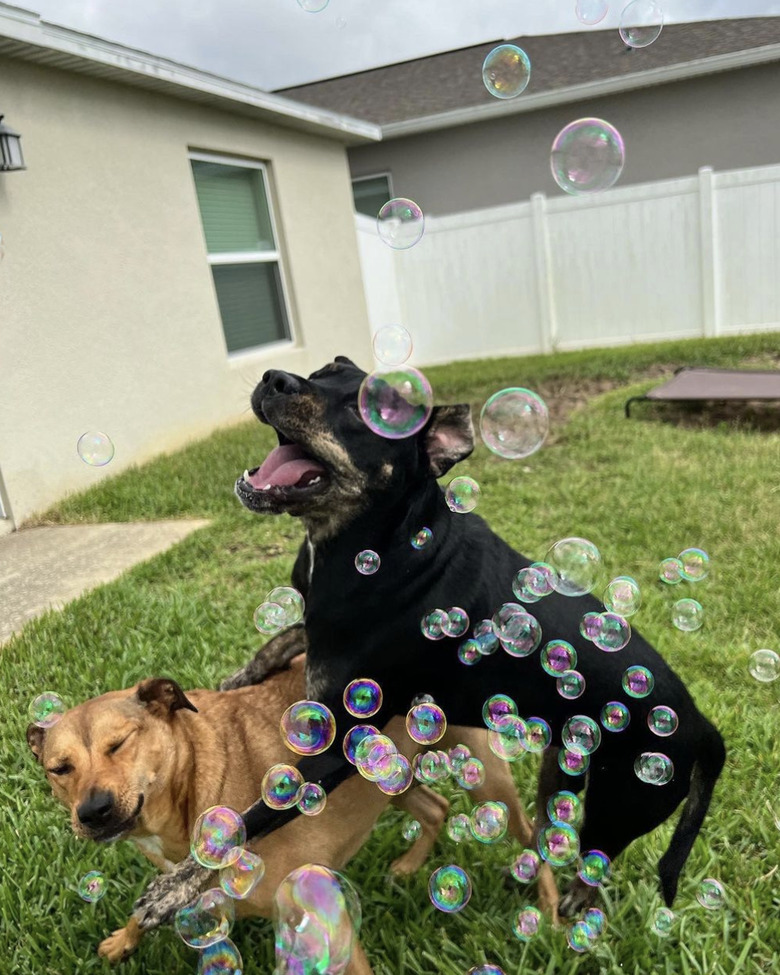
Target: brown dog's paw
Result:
[[119, 945]]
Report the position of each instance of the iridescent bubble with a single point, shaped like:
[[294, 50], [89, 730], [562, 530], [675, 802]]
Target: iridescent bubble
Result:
[[615, 716], [527, 922], [638, 681], [570, 685], [594, 917], [457, 622], [623, 596], [538, 734], [434, 766], [559, 844], [497, 707], [290, 600], [311, 799], [240, 877], [353, 738], [641, 23], [421, 539], [489, 821], [485, 635], [530, 584], [398, 779], [695, 564], [519, 632], [376, 757], [654, 768], [46, 709], [363, 697], [594, 868], [207, 921], [308, 727], [663, 922], [508, 740], [471, 775], [449, 889], [711, 894], [222, 958], [590, 625], [526, 867], [486, 969], [432, 624], [95, 449], [514, 422], [458, 828], [614, 634], [591, 12], [687, 615], [411, 830], [426, 723], [367, 562], [580, 936], [578, 565], [573, 763], [587, 156], [392, 345], [565, 807], [313, 6], [662, 721], [543, 581], [270, 618], [280, 786], [92, 886], [506, 71], [395, 403], [764, 665], [218, 837], [468, 652], [457, 757], [400, 223], [670, 571], [557, 656], [462, 495]]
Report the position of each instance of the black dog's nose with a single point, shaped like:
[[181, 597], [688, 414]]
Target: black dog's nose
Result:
[[95, 810], [281, 382]]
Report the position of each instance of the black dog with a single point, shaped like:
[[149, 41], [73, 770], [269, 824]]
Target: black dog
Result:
[[355, 490]]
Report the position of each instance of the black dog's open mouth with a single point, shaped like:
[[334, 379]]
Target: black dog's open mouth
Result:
[[287, 472]]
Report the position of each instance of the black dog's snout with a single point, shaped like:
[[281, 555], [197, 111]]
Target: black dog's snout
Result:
[[95, 810], [277, 381]]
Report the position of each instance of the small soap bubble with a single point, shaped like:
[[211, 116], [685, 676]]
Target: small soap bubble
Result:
[[376, 757], [462, 495], [587, 156], [570, 685], [764, 665], [486, 969], [433, 624], [506, 71], [662, 721], [458, 828], [595, 918], [711, 894], [206, 922], [543, 581], [434, 766], [398, 779], [687, 615], [695, 564], [527, 922], [558, 656], [524, 584], [280, 786], [591, 12], [353, 738], [468, 652], [565, 807], [426, 723], [538, 735], [290, 600], [363, 697], [514, 423], [471, 775], [400, 223], [615, 716], [663, 922], [580, 937], [573, 763], [594, 868], [559, 844], [638, 681], [457, 622], [526, 867], [590, 625], [614, 634], [457, 756], [311, 799], [641, 23], [508, 740], [670, 571], [411, 830], [239, 878], [654, 768], [519, 632], [367, 562], [218, 837], [392, 345], [222, 958], [577, 563], [92, 886], [489, 821], [95, 449], [270, 618], [395, 403], [623, 596], [421, 539], [449, 889], [313, 6], [495, 708], [308, 727], [46, 709], [485, 635]]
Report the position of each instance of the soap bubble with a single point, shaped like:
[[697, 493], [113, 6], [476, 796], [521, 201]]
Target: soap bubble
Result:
[[421, 539], [426, 723], [559, 844], [207, 921], [270, 618], [462, 495], [578, 565], [687, 615], [398, 779], [622, 596], [506, 71], [468, 652], [458, 828], [594, 917], [313, 6], [392, 345], [670, 571], [376, 757], [485, 636], [520, 633], [764, 665], [433, 624], [508, 740], [641, 23], [290, 600], [280, 786], [486, 969], [308, 727], [471, 774], [218, 837], [95, 449], [594, 868], [695, 564], [311, 799], [614, 634], [590, 625], [489, 821], [457, 757], [514, 422], [637, 681], [395, 403], [497, 707], [565, 807], [434, 766], [654, 768], [526, 867], [615, 716], [457, 622], [400, 223], [367, 562], [527, 922], [449, 889], [46, 709], [570, 684], [363, 697], [538, 734], [711, 894], [662, 721], [222, 958], [591, 12], [92, 886], [411, 830], [580, 936], [240, 877], [557, 656], [663, 922], [353, 738], [573, 763], [587, 156]]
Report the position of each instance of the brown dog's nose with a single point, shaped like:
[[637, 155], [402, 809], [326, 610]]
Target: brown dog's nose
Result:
[[277, 381], [95, 810]]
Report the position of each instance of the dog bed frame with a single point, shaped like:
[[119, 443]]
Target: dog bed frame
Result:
[[694, 384]]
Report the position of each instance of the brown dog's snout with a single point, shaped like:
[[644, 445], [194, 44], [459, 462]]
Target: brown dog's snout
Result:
[[96, 810]]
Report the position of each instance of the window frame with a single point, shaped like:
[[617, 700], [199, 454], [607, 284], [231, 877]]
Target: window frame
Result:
[[361, 179], [248, 257]]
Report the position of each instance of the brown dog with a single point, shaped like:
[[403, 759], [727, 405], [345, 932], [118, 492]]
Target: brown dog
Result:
[[143, 763]]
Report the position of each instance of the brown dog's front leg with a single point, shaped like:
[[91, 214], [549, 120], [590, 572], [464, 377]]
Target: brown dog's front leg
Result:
[[122, 943], [430, 810], [273, 657]]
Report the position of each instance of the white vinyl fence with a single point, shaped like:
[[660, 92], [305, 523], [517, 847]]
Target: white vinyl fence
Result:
[[665, 260]]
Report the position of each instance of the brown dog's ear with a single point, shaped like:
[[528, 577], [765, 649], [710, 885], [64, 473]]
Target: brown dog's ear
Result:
[[35, 739], [449, 437], [162, 696]]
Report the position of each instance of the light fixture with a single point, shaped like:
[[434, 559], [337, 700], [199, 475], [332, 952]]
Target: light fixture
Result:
[[11, 157]]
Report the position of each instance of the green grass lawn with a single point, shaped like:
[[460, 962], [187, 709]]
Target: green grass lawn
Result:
[[640, 489]]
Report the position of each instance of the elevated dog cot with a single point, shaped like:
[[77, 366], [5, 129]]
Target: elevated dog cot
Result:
[[693, 384]]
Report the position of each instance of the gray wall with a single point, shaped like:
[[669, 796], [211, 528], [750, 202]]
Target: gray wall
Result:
[[727, 121]]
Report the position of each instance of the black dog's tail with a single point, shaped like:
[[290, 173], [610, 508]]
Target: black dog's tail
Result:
[[707, 768]]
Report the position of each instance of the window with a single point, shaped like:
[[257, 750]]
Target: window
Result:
[[370, 193], [242, 251]]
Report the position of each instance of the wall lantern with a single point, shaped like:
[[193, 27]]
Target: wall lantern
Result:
[[11, 157]]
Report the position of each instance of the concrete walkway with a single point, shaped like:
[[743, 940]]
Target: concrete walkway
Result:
[[44, 568]]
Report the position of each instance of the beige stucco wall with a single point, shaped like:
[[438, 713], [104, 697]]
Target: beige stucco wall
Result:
[[108, 315]]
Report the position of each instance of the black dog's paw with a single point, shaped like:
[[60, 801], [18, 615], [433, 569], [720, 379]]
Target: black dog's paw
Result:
[[169, 893], [579, 897]]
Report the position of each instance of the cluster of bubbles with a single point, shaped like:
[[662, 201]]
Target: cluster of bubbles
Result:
[[514, 422], [462, 494], [449, 889], [283, 606], [308, 727], [395, 403], [377, 759], [46, 709], [92, 886], [436, 766], [95, 449], [506, 71], [367, 562], [440, 623], [392, 345], [400, 223], [608, 631], [534, 582], [691, 565]]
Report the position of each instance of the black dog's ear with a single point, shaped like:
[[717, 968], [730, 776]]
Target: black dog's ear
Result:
[[345, 361], [162, 696], [449, 437], [35, 739]]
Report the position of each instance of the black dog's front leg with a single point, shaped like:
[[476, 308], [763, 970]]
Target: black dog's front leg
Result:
[[270, 659]]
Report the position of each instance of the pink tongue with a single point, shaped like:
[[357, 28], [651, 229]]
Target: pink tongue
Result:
[[283, 467]]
